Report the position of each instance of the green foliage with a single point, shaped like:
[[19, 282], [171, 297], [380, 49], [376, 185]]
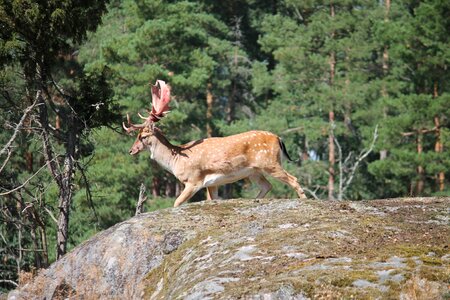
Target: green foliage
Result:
[[267, 65], [50, 26]]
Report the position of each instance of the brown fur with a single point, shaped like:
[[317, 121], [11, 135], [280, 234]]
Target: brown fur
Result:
[[209, 163]]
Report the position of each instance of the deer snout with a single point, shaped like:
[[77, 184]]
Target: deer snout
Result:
[[136, 148]]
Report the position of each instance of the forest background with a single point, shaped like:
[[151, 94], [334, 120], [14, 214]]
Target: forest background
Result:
[[358, 90]]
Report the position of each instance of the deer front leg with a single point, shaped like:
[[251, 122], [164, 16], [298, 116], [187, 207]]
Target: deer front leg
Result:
[[188, 192]]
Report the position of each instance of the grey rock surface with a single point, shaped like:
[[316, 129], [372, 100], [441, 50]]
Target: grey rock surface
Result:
[[262, 249]]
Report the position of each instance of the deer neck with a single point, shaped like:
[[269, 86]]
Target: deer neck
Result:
[[162, 151]]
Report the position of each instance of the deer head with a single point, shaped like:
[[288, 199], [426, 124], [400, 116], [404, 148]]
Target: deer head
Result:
[[160, 108]]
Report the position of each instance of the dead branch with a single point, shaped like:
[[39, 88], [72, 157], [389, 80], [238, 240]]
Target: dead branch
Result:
[[51, 214], [293, 130], [19, 125], [360, 158], [421, 131], [142, 199], [6, 160], [313, 193], [25, 182], [9, 281]]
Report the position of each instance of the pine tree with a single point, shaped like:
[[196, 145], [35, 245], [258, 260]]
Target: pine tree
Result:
[[418, 104], [38, 40]]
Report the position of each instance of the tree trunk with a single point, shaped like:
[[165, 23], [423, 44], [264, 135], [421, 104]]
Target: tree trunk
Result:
[[209, 109], [178, 188], [170, 188], [57, 122], [66, 190], [19, 225], [50, 160], [29, 161], [227, 191], [385, 66], [155, 187], [63, 179], [331, 150], [438, 146], [232, 97], [331, 158], [230, 111], [65, 199], [305, 150], [420, 169], [36, 248]]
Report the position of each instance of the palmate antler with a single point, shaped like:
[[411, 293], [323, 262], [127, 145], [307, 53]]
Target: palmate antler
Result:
[[160, 107], [160, 100]]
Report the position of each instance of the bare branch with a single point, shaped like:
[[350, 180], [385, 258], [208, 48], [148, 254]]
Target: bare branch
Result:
[[30, 250], [3, 238], [6, 160], [19, 125], [51, 215], [360, 158], [298, 13], [27, 207], [25, 183], [293, 129], [347, 159], [422, 131], [313, 193], [9, 281], [63, 95], [196, 127]]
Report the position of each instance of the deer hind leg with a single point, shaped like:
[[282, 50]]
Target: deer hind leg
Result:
[[262, 183], [186, 194], [212, 192], [283, 176]]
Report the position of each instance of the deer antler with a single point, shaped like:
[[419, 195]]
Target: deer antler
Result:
[[160, 107], [132, 127], [160, 100]]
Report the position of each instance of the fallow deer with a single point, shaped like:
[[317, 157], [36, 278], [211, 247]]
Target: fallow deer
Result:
[[211, 162]]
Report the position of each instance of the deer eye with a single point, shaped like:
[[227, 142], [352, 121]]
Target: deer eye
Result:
[[144, 135]]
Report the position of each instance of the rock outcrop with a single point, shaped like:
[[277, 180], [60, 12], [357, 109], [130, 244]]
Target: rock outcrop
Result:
[[262, 249]]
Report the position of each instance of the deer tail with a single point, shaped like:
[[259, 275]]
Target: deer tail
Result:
[[284, 151]]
